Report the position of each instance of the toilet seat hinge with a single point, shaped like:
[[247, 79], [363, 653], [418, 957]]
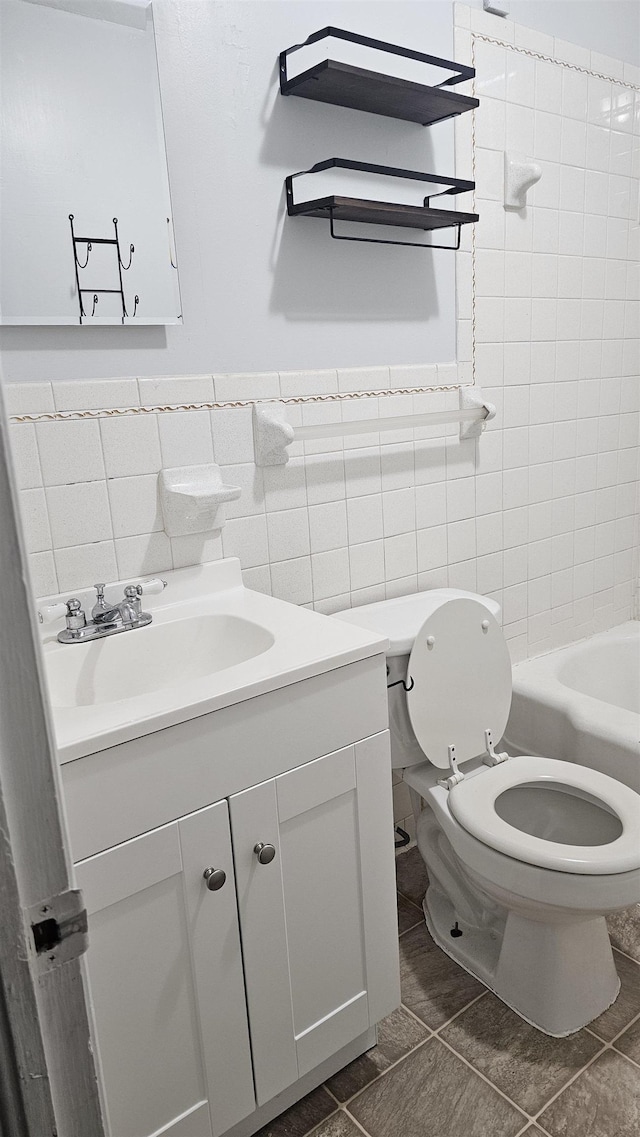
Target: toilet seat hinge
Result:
[[456, 775], [492, 758]]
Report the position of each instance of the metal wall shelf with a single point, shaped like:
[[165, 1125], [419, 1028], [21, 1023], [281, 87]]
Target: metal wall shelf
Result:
[[344, 84], [334, 207]]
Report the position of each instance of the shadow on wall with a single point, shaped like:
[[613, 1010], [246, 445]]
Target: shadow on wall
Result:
[[315, 277]]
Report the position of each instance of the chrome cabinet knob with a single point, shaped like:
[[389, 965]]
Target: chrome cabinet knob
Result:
[[215, 878], [264, 853]]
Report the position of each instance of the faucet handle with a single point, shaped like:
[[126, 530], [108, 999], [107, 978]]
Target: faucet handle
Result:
[[146, 588], [71, 609], [151, 587], [50, 612]]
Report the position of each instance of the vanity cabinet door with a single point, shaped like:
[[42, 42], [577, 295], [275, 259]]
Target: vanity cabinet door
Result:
[[165, 975], [318, 920]]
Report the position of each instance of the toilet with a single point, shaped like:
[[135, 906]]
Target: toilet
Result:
[[525, 855]]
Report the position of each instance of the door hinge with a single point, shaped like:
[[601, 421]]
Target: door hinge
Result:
[[59, 930]]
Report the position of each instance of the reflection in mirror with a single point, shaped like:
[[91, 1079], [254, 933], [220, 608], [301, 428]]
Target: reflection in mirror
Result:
[[85, 209]]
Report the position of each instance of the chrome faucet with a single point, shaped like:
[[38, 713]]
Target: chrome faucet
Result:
[[106, 619]]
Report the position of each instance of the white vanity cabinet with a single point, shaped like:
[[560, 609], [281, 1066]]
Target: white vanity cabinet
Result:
[[318, 935], [215, 1009], [166, 980]]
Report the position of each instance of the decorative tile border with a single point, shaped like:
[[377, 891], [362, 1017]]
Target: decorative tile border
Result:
[[342, 396], [557, 62], [55, 402]]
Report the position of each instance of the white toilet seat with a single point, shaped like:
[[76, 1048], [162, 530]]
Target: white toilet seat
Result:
[[519, 885], [460, 672], [473, 804]]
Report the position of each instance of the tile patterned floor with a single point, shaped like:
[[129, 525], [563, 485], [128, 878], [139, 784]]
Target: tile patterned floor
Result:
[[453, 1061]]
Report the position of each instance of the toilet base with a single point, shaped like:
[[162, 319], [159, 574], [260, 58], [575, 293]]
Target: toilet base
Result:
[[557, 977]]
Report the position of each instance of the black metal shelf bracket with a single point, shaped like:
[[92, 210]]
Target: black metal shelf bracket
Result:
[[122, 267], [453, 185], [388, 241], [326, 207], [462, 72]]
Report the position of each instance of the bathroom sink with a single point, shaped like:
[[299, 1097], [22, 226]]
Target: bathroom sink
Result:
[[153, 658], [212, 643]]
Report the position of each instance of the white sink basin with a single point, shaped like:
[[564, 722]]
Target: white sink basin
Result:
[[151, 659], [212, 643]]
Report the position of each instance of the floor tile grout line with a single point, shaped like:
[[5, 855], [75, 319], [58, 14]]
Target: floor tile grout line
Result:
[[340, 1109], [388, 1070], [543, 1128], [406, 930], [409, 900], [487, 1080], [331, 1093], [530, 1119], [435, 1033], [416, 1018], [615, 1038], [624, 953], [521, 1132], [437, 1029], [610, 1045], [356, 1123], [571, 1080], [604, 1045], [628, 1058]]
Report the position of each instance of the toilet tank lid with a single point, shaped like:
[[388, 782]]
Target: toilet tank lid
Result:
[[400, 619]]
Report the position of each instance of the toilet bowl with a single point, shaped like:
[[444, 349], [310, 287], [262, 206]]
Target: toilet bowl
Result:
[[525, 855]]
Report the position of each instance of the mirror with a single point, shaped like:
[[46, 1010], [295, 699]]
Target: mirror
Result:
[[85, 211]]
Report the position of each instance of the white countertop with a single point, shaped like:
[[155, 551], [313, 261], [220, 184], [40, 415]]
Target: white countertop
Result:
[[305, 644]]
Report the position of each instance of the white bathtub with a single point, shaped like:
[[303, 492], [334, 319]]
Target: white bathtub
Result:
[[582, 704]]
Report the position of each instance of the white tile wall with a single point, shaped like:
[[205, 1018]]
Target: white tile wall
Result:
[[557, 338], [337, 520], [541, 512]]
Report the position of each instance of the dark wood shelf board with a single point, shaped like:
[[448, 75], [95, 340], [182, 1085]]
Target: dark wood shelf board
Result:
[[345, 85], [382, 213]]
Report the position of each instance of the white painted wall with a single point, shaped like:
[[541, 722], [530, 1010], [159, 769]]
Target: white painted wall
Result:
[[609, 26], [261, 291]]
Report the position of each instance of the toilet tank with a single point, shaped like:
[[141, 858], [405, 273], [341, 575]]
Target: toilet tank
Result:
[[400, 620]]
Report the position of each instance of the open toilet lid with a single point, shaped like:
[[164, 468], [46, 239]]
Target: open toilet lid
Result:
[[461, 672]]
